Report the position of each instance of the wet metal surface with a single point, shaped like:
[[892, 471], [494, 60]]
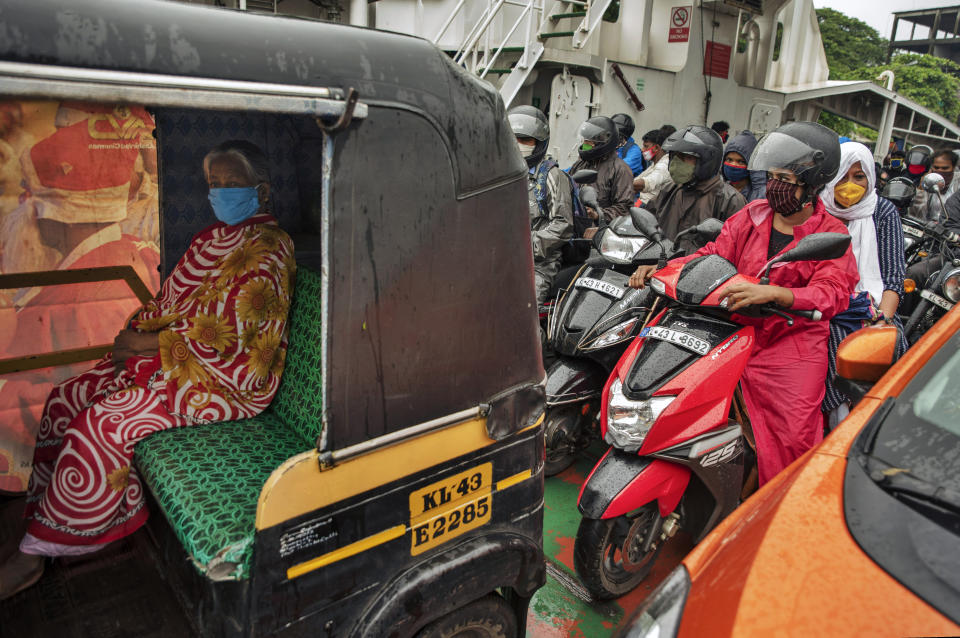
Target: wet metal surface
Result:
[[563, 606]]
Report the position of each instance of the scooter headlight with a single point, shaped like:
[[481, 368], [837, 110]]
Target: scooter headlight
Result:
[[617, 333], [951, 285], [629, 421], [908, 243], [660, 614], [620, 250]]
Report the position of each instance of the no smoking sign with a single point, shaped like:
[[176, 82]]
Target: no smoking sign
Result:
[[679, 24]]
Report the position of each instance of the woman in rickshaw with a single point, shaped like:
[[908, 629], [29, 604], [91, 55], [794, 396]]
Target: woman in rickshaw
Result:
[[209, 348], [783, 383]]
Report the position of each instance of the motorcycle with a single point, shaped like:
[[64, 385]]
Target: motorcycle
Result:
[[942, 289], [590, 326], [675, 421]]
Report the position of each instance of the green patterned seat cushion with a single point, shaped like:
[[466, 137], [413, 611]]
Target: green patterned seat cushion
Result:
[[299, 400], [207, 479]]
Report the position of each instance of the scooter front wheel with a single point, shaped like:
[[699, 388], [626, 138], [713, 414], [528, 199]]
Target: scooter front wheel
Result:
[[561, 432], [608, 553]]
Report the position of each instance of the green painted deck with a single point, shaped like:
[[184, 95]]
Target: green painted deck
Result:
[[563, 607]]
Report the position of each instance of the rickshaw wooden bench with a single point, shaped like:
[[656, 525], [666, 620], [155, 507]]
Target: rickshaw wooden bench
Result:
[[395, 483], [207, 479]]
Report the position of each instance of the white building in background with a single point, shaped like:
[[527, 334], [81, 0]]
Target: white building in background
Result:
[[753, 63]]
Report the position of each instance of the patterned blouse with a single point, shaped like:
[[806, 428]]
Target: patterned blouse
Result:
[[893, 265]]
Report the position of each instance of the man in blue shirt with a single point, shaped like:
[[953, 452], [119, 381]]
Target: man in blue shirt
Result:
[[628, 150]]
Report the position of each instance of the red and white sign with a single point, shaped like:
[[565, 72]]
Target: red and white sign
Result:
[[680, 24], [716, 59]]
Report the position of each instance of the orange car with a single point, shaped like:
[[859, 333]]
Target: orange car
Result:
[[860, 536]]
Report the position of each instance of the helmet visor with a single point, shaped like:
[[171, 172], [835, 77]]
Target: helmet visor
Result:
[[898, 190], [917, 157], [780, 151], [524, 125], [590, 132], [688, 143]]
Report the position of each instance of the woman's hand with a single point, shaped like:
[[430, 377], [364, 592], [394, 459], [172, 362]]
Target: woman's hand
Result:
[[131, 343], [741, 295], [641, 275], [592, 214]]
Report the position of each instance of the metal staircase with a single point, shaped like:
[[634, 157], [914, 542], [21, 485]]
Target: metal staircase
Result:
[[479, 54]]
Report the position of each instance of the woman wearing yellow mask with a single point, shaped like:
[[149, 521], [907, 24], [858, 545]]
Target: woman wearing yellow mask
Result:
[[874, 225]]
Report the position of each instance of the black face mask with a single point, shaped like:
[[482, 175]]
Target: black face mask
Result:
[[782, 199]]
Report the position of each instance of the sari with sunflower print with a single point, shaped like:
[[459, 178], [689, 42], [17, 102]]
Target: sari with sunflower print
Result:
[[221, 316]]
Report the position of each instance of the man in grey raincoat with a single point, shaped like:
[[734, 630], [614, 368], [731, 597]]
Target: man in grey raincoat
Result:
[[550, 196]]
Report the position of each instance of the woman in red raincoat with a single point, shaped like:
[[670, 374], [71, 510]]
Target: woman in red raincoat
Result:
[[783, 381]]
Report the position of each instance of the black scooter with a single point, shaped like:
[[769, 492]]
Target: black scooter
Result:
[[592, 322]]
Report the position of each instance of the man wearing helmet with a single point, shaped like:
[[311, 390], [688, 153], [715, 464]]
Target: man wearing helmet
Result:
[[927, 206], [599, 140], [783, 382], [628, 150], [698, 192], [549, 195]]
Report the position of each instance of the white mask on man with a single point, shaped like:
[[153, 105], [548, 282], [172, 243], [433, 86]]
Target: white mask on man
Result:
[[525, 149]]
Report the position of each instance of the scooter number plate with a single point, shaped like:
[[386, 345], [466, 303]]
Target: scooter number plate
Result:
[[681, 339], [910, 230], [936, 299], [600, 286]]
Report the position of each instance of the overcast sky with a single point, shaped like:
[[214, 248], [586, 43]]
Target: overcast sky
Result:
[[879, 13]]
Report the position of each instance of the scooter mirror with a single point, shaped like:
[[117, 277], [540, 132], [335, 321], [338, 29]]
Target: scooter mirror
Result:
[[645, 222], [817, 246], [709, 229], [588, 195], [585, 176], [933, 183]]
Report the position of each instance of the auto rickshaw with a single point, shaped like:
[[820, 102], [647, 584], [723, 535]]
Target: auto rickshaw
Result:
[[394, 485]]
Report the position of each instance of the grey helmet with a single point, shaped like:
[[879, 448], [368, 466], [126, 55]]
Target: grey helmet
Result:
[[810, 150], [602, 135], [703, 143], [529, 121]]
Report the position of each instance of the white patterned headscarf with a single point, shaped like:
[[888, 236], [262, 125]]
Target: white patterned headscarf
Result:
[[859, 217]]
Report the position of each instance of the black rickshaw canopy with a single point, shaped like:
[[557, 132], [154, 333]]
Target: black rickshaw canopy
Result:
[[421, 236]]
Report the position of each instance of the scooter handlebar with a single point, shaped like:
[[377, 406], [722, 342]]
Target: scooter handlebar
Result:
[[814, 315]]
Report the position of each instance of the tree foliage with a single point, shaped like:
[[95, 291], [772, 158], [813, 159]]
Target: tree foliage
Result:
[[850, 44], [926, 79], [855, 51]]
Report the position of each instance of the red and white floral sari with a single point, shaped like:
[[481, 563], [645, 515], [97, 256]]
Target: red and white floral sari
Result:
[[221, 316]]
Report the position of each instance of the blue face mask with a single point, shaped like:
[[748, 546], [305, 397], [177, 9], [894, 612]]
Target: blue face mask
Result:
[[734, 173], [233, 205], [896, 163]]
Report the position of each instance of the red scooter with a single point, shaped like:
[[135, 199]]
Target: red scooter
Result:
[[677, 450]]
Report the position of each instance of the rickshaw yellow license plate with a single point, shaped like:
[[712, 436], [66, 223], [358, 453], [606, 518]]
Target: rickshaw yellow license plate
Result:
[[448, 508]]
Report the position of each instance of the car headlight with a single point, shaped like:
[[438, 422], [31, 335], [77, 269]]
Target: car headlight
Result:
[[629, 421], [617, 333], [658, 286], [619, 249], [951, 285], [659, 616]]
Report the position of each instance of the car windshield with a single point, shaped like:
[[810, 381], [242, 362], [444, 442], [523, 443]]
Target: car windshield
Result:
[[921, 436]]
